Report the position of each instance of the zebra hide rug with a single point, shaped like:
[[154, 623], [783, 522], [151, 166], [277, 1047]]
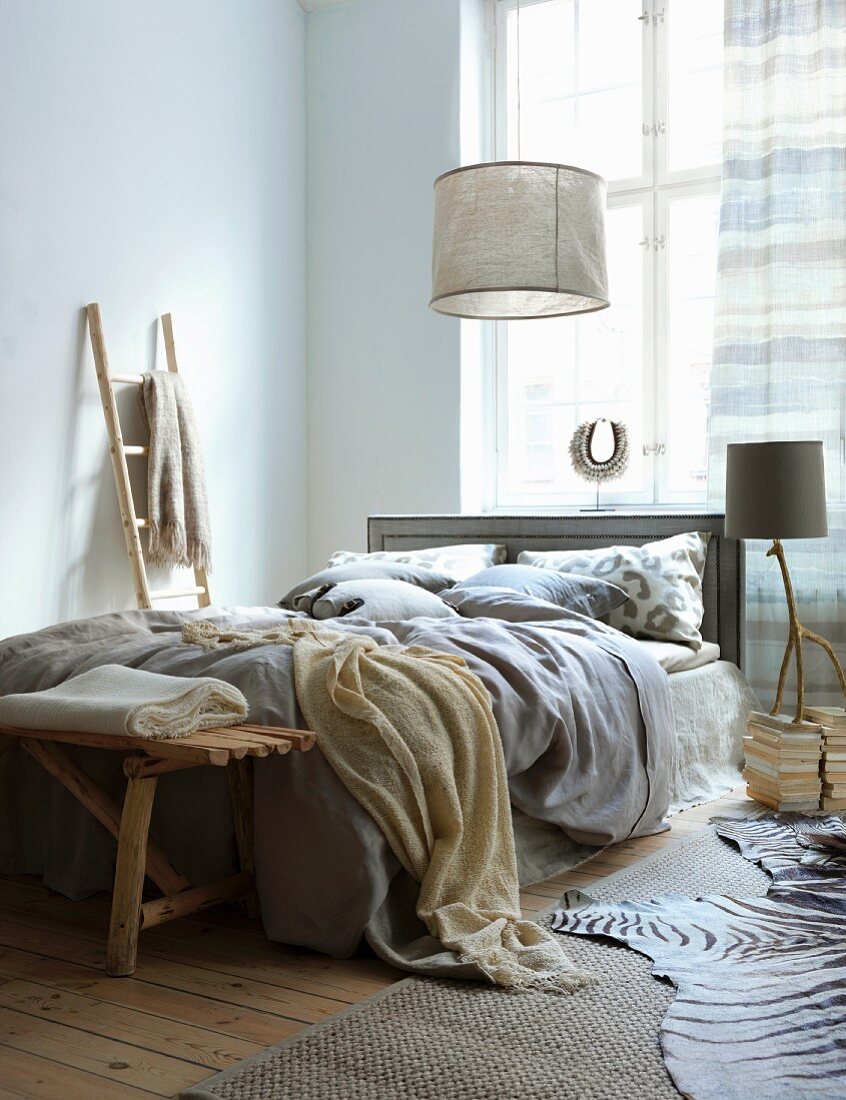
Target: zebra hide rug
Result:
[[761, 1005]]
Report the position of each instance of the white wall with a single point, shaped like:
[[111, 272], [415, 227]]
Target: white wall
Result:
[[151, 158], [383, 121]]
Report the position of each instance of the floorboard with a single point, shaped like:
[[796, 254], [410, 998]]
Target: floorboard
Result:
[[209, 990]]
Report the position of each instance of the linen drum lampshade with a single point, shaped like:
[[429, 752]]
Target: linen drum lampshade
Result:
[[776, 490], [519, 239]]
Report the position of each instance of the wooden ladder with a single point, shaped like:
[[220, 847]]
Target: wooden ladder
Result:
[[120, 451]]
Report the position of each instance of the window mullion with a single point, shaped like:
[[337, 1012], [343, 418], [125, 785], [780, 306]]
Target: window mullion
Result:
[[661, 367], [649, 115], [660, 75], [661, 399]]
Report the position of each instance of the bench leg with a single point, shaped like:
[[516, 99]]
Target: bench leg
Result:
[[122, 947], [240, 776]]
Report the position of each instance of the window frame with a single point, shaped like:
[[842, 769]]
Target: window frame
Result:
[[653, 190]]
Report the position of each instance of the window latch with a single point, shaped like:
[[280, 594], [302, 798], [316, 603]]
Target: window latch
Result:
[[654, 130], [654, 449], [657, 18]]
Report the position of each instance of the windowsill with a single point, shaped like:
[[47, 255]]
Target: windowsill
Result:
[[698, 508]]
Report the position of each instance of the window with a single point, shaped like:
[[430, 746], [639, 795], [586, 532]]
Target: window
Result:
[[633, 92]]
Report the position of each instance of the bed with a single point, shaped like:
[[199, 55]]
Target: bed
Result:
[[711, 697], [326, 877]]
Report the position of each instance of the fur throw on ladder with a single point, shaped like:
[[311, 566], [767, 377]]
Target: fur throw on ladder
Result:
[[177, 505]]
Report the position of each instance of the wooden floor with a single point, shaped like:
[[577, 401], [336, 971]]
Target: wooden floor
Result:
[[208, 991]]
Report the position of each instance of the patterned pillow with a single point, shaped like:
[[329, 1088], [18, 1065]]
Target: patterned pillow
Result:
[[663, 580], [459, 562]]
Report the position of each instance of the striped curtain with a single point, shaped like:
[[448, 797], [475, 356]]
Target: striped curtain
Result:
[[780, 329]]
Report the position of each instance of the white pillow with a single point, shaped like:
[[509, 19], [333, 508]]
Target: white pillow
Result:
[[459, 562], [378, 601], [663, 580]]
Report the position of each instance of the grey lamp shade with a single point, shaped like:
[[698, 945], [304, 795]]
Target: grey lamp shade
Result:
[[776, 490], [517, 239]]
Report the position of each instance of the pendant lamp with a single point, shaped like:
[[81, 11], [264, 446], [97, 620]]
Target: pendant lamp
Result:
[[518, 239]]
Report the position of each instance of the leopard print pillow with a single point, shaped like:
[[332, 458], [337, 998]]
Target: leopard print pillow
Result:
[[662, 579]]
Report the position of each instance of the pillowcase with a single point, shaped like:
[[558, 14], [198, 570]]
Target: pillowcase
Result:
[[588, 595], [663, 580], [430, 579], [502, 603], [377, 601], [457, 561]]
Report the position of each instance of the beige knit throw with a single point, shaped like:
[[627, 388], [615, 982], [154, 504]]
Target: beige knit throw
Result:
[[128, 702], [177, 506], [411, 734]]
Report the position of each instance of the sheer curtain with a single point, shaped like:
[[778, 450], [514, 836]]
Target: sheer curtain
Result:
[[780, 329]]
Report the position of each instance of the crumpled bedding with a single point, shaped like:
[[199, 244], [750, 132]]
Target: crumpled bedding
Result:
[[584, 715]]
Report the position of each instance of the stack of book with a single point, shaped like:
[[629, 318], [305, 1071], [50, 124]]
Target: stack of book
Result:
[[783, 761], [833, 722]]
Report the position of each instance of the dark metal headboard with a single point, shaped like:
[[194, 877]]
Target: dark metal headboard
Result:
[[723, 583]]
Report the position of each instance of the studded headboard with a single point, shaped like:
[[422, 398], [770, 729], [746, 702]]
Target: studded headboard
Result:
[[723, 583]]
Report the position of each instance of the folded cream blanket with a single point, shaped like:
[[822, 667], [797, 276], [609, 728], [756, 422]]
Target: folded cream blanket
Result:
[[180, 533], [411, 734], [127, 701]]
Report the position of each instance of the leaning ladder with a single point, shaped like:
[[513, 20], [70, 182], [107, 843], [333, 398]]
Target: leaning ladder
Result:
[[120, 451]]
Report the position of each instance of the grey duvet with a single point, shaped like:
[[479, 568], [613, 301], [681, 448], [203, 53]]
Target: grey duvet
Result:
[[584, 714]]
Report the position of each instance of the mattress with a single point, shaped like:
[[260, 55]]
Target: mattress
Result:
[[711, 700], [674, 657], [711, 704]]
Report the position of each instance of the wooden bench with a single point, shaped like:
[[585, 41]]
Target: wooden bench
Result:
[[137, 854]]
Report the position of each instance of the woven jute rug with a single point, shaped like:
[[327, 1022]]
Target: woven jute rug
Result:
[[428, 1039]]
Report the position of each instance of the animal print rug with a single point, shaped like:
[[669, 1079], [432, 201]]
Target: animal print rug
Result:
[[761, 1004]]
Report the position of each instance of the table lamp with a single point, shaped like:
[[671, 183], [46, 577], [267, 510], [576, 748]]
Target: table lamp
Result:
[[777, 491]]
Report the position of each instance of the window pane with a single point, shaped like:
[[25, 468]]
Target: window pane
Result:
[[610, 43], [547, 42], [576, 69], [691, 277], [617, 112], [564, 370], [548, 132], [695, 44]]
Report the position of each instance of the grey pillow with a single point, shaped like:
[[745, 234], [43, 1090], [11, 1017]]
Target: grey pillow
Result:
[[379, 601], [418, 575], [502, 603], [589, 596]]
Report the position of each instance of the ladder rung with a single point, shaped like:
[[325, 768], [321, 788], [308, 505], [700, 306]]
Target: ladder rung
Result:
[[133, 450], [141, 522], [175, 593], [129, 379]]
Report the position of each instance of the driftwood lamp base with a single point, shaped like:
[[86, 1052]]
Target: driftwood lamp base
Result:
[[797, 633]]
